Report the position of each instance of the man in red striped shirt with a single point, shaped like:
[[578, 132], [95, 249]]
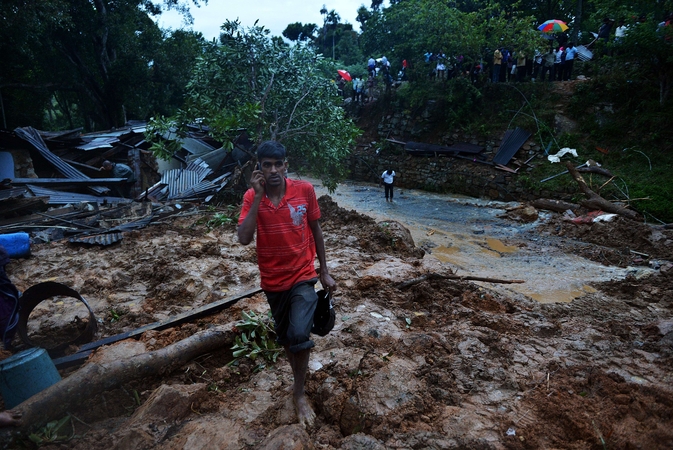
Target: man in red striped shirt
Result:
[[285, 213]]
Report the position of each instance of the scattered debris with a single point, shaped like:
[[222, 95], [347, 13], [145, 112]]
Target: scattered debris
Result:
[[564, 151]]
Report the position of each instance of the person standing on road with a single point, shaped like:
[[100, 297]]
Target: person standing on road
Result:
[[285, 213], [388, 178]]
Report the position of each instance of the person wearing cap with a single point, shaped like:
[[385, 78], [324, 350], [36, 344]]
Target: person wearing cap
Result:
[[284, 213]]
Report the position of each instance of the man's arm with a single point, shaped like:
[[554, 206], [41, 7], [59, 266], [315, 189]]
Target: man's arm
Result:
[[325, 279], [246, 230]]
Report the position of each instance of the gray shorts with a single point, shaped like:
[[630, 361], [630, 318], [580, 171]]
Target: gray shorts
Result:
[[293, 314]]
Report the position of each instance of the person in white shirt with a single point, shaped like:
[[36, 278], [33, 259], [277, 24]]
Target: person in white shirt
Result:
[[388, 178]]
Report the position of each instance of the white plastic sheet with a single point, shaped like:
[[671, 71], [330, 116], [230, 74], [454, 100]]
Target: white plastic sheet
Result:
[[557, 157]]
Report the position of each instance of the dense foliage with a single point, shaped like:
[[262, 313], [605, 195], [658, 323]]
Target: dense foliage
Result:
[[91, 64], [274, 91]]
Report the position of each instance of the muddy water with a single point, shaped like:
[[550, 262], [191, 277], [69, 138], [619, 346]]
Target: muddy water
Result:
[[467, 235]]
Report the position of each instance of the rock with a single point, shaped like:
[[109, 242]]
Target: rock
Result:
[[399, 236], [205, 432], [166, 406], [527, 214], [563, 124], [361, 442], [289, 437]]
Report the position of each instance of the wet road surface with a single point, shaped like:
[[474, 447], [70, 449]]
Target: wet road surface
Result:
[[467, 234]]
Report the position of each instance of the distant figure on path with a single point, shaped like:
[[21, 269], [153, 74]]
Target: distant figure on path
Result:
[[388, 178]]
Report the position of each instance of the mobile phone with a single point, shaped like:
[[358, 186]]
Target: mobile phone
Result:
[[258, 167]]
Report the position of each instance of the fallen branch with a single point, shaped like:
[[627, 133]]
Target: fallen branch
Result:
[[432, 275], [595, 201], [596, 169], [56, 401]]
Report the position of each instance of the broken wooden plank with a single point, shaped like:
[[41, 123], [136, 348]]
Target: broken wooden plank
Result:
[[505, 168], [23, 205]]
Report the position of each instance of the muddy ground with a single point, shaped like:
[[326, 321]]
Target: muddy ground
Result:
[[442, 364]]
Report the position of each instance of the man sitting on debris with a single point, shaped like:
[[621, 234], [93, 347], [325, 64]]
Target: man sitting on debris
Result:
[[285, 214], [119, 170]]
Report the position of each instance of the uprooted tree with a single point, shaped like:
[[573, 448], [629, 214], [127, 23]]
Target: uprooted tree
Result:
[[249, 81]]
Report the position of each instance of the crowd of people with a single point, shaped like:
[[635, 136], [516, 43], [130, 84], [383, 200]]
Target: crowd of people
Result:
[[362, 87], [556, 64]]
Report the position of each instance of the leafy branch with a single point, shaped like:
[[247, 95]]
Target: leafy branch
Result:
[[257, 339]]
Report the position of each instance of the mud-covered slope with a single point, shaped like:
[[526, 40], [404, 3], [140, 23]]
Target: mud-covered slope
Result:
[[441, 364]]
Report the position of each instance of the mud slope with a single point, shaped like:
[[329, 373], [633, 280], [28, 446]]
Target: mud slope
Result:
[[439, 365]]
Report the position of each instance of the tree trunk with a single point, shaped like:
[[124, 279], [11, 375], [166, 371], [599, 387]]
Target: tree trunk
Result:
[[595, 201], [554, 205], [54, 402]]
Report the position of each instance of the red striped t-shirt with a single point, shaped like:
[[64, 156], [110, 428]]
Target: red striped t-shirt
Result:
[[285, 245]]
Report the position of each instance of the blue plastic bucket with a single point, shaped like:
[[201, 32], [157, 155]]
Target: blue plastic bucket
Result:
[[25, 374], [16, 244]]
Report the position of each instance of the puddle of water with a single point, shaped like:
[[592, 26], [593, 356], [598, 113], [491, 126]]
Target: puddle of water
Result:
[[500, 247], [561, 296], [442, 252]]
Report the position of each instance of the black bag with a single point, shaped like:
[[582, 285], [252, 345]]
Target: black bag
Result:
[[323, 318]]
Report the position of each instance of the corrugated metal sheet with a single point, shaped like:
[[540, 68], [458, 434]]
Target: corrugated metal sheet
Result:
[[511, 143], [98, 239], [213, 159], [196, 146], [31, 135], [200, 167], [63, 198], [98, 143], [139, 129], [180, 180], [135, 225]]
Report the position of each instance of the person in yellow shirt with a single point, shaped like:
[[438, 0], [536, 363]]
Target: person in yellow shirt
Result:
[[497, 62]]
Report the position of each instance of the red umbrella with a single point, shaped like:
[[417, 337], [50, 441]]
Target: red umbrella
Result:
[[344, 74]]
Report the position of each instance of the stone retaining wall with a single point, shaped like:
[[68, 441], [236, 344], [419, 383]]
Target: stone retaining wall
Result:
[[443, 173]]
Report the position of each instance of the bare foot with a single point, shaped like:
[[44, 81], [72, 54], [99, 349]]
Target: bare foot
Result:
[[304, 411], [10, 418]]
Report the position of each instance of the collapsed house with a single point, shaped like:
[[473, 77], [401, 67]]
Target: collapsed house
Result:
[[52, 185]]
